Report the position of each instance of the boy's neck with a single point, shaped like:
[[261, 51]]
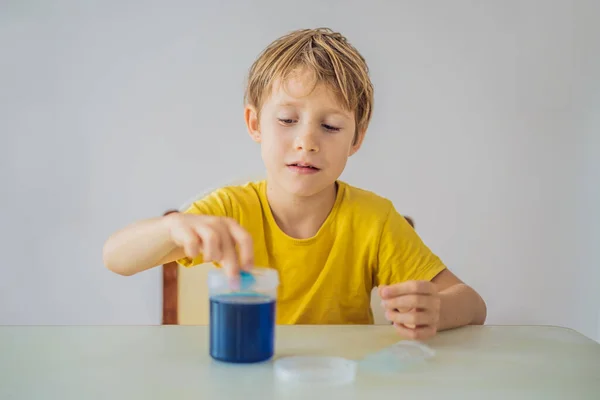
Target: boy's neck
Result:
[[300, 217]]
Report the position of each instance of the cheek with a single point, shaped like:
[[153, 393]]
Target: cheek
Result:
[[340, 161], [274, 142], [340, 150]]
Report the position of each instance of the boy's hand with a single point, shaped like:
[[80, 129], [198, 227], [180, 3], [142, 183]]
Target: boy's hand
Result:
[[413, 307], [215, 237]]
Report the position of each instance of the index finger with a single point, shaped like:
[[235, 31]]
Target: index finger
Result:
[[244, 241], [408, 287]]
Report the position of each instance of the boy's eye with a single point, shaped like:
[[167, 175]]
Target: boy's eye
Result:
[[330, 128], [286, 121]]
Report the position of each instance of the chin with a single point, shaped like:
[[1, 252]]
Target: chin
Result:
[[305, 188]]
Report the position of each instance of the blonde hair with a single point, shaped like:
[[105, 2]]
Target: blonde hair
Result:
[[327, 54]]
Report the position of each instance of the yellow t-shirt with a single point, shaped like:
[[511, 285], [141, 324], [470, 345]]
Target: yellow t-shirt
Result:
[[328, 278]]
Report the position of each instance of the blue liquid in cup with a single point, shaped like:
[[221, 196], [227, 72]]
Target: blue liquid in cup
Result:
[[242, 327]]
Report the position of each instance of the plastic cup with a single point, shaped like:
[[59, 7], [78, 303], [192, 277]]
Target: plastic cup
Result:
[[242, 321]]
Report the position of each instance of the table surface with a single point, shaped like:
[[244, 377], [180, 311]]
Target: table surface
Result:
[[172, 362]]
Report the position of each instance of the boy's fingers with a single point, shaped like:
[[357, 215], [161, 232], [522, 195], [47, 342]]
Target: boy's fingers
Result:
[[229, 255], [244, 241], [408, 287], [190, 242], [413, 317], [417, 333], [211, 243], [410, 301]]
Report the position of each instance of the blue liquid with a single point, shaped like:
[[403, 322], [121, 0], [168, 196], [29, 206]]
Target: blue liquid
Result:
[[242, 328]]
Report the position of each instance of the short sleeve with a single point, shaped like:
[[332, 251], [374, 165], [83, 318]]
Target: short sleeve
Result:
[[402, 255], [217, 203]]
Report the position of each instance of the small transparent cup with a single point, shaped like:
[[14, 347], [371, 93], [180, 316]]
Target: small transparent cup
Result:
[[242, 320]]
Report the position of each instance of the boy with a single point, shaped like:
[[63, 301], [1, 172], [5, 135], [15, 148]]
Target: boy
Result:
[[308, 103]]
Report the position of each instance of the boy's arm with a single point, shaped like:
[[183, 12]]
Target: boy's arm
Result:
[[459, 303], [420, 295], [141, 246], [420, 308], [199, 238], [175, 236]]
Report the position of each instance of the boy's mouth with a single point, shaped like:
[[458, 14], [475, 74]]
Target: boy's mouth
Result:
[[303, 167]]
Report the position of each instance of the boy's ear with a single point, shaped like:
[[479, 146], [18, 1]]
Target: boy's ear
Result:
[[357, 143], [251, 117]]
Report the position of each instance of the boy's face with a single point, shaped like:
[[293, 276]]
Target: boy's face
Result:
[[306, 136]]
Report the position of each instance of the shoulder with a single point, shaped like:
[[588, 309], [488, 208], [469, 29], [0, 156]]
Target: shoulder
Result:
[[365, 202], [247, 191], [227, 200]]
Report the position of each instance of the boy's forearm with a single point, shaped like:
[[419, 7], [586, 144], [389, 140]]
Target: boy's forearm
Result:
[[460, 305], [138, 247]]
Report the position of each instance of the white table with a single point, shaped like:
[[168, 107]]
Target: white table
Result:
[[172, 362]]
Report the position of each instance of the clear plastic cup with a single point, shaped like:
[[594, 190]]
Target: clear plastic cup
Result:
[[242, 321]]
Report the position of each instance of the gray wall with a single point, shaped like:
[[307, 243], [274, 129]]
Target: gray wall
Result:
[[485, 131]]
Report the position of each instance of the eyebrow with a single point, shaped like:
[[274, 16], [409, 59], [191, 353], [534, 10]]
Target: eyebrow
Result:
[[329, 110]]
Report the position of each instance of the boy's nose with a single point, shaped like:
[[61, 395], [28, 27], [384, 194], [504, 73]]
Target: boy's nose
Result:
[[306, 142]]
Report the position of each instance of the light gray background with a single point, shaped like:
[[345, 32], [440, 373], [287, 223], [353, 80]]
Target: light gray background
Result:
[[486, 130]]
